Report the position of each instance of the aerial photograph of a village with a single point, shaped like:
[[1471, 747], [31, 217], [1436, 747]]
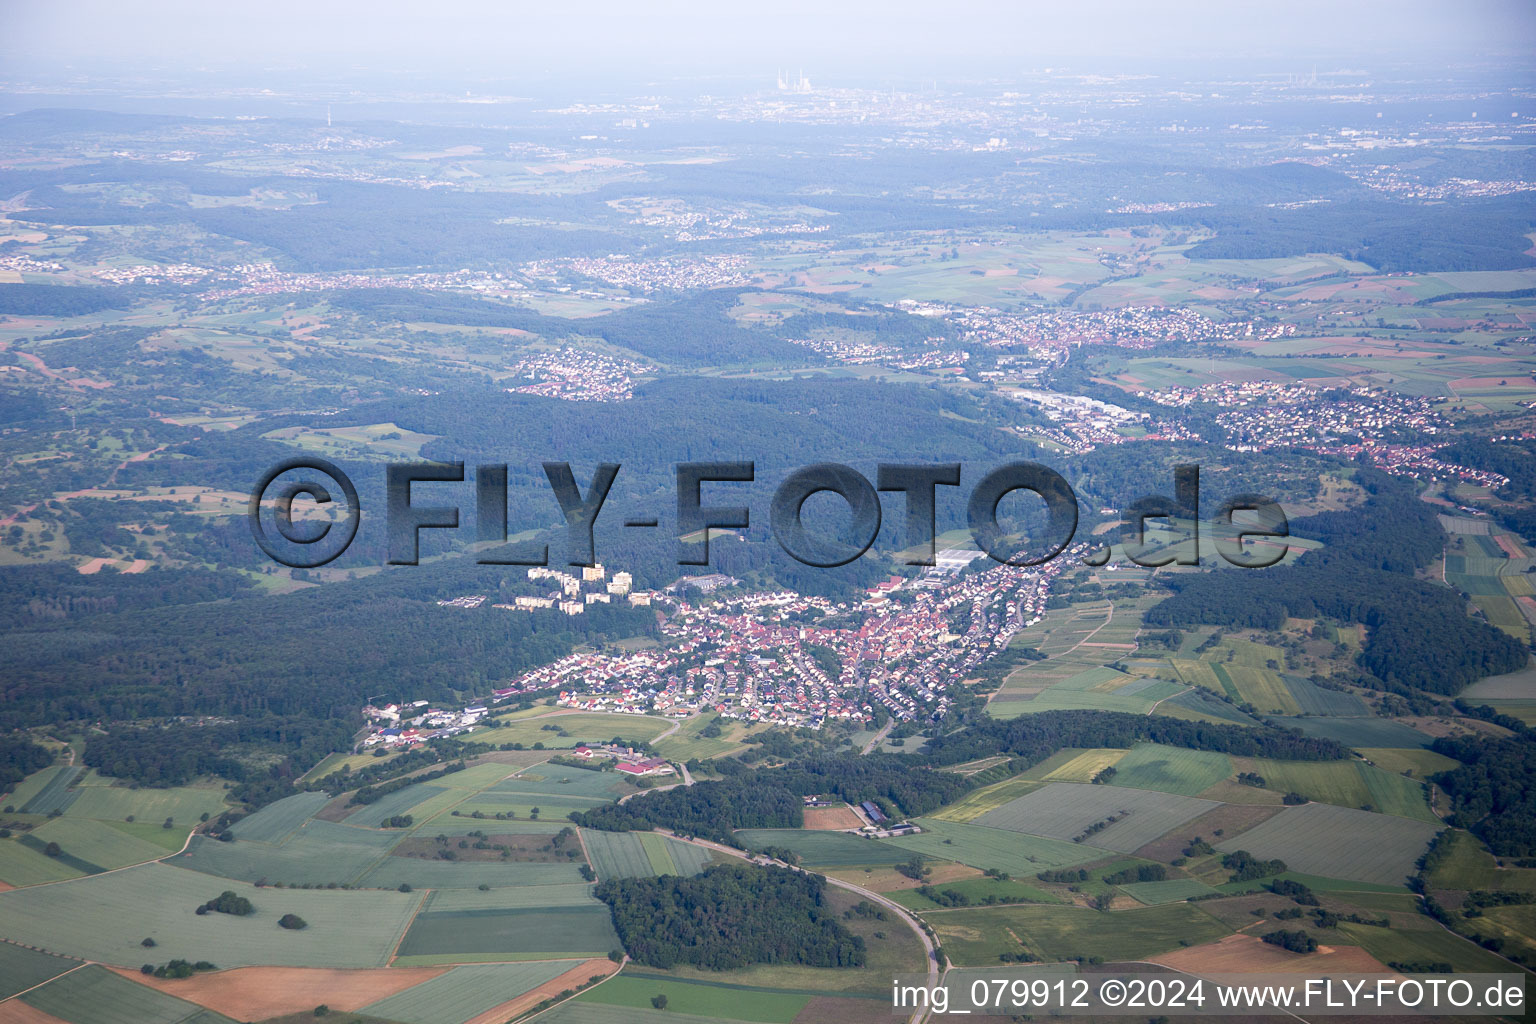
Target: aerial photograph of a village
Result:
[[823, 514]]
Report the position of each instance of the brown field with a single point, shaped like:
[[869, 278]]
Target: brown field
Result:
[[1242, 953], [1510, 546], [14, 1011], [890, 880], [254, 993], [1229, 819], [1233, 792], [337, 809], [572, 978], [829, 819], [831, 1010]]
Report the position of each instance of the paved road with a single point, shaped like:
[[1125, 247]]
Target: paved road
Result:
[[877, 737]]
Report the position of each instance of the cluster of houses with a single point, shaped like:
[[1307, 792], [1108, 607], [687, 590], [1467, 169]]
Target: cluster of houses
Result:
[[568, 594], [406, 725], [627, 760], [768, 657]]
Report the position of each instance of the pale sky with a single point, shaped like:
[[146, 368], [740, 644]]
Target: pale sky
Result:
[[516, 40]]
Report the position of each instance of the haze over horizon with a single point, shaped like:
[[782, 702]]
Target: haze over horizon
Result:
[[603, 38]]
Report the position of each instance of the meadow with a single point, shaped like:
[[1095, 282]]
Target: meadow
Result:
[[1177, 770], [392, 872], [976, 936], [641, 855], [466, 992], [980, 846], [582, 930], [1321, 839], [1065, 810], [95, 995], [1171, 891], [106, 917], [276, 821], [824, 849], [1346, 784], [697, 999], [564, 730], [185, 805], [1468, 865], [22, 968], [318, 853]]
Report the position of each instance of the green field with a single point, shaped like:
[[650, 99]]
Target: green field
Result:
[[578, 1012], [979, 801], [977, 936], [983, 847], [98, 842], [569, 931], [575, 729], [318, 853], [94, 995], [105, 917], [1171, 891], [1314, 700], [686, 743], [1347, 784], [184, 804], [697, 999], [1065, 810], [1433, 944], [444, 874], [29, 787], [21, 968], [276, 820], [22, 865], [466, 992], [1321, 839], [54, 794], [1261, 687], [1422, 763], [1074, 765], [1171, 769], [824, 849], [1468, 865], [569, 894], [641, 855], [421, 801], [976, 890]]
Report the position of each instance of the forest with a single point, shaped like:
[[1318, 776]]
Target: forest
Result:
[[1494, 790], [730, 916], [1421, 637], [770, 797], [1033, 738]]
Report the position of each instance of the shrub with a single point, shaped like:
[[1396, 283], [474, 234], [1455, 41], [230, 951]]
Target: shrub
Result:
[[293, 922]]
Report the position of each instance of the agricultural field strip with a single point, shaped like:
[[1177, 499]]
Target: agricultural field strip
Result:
[[1064, 810], [105, 917], [466, 992], [1339, 842]]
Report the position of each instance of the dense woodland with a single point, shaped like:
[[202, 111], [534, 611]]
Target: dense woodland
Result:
[[1494, 792], [20, 758], [1420, 636], [730, 916], [1033, 738], [770, 797]]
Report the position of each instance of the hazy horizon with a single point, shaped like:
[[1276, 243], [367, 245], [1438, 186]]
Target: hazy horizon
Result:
[[90, 38]]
